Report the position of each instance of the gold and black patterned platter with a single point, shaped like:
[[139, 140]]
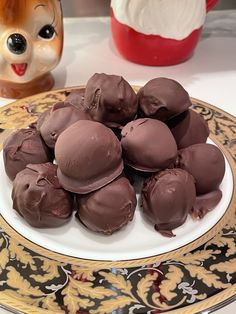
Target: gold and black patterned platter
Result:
[[194, 278]]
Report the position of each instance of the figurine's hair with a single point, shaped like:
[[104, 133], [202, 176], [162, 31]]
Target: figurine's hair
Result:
[[9, 9], [13, 10]]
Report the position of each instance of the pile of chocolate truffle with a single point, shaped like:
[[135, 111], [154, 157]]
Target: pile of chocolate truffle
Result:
[[85, 153]]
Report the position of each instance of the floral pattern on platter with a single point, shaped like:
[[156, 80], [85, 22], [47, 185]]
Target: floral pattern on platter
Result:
[[30, 282], [47, 284]]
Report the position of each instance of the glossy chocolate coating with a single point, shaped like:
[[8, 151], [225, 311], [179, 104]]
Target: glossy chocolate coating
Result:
[[205, 203], [39, 198], [188, 128], [42, 117], [167, 198], [110, 99], [76, 98], [148, 145], [88, 155], [206, 164], [61, 116], [24, 147], [162, 99], [109, 208]]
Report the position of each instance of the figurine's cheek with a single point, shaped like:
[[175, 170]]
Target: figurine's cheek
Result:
[[46, 55], [2, 62]]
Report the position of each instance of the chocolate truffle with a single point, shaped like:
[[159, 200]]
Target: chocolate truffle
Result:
[[206, 164], [109, 208], [162, 99], [110, 99], [76, 98], [39, 198], [24, 147], [61, 116], [167, 199], [88, 155], [148, 145], [42, 117], [188, 128], [205, 203]]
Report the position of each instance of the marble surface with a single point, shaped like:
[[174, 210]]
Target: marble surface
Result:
[[209, 75]]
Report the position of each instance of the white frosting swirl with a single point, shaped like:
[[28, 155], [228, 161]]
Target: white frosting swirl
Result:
[[174, 19]]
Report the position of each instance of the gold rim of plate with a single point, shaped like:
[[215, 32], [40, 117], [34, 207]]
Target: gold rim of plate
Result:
[[15, 116]]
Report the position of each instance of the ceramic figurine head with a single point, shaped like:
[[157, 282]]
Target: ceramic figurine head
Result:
[[31, 43]]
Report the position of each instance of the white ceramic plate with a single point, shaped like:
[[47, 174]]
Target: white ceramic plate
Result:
[[137, 240]]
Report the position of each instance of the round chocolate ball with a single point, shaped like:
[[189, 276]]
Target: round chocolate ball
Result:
[[110, 99], [88, 155], [24, 147], [42, 117], [167, 199], [206, 164], [148, 145], [162, 99], [205, 203], [61, 116], [188, 128], [39, 198], [109, 208], [76, 98]]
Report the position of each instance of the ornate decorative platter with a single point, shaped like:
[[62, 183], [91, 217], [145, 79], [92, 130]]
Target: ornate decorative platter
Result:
[[187, 279]]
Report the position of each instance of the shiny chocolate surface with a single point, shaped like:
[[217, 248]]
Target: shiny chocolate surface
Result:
[[23, 147], [167, 199], [162, 98], [39, 198], [109, 208]]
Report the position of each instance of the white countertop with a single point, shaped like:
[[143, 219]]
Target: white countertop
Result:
[[209, 75]]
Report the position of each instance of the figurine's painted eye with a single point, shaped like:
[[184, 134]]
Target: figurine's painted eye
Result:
[[47, 32]]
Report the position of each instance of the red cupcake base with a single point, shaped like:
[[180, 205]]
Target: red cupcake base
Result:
[[151, 49]]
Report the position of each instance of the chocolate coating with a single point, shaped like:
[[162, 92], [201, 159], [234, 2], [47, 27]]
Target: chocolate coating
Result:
[[88, 155], [39, 198], [24, 147], [110, 99], [76, 98], [148, 145], [188, 128], [167, 198], [61, 116], [43, 116], [162, 99], [206, 164], [108, 209], [205, 203]]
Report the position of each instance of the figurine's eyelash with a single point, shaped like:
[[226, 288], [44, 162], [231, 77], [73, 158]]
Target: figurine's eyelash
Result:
[[53, 24], [54, 27]]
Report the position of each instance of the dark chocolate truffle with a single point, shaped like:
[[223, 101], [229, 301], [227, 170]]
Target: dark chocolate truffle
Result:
[[39, 198], [110, 99], [205, 203], [162, 99], [108, 209], [43, 116], [148, 145], [61, 116], [188, 128], [168, 198], [206, 164], [24, 147], [88, 155], [76, 98]]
